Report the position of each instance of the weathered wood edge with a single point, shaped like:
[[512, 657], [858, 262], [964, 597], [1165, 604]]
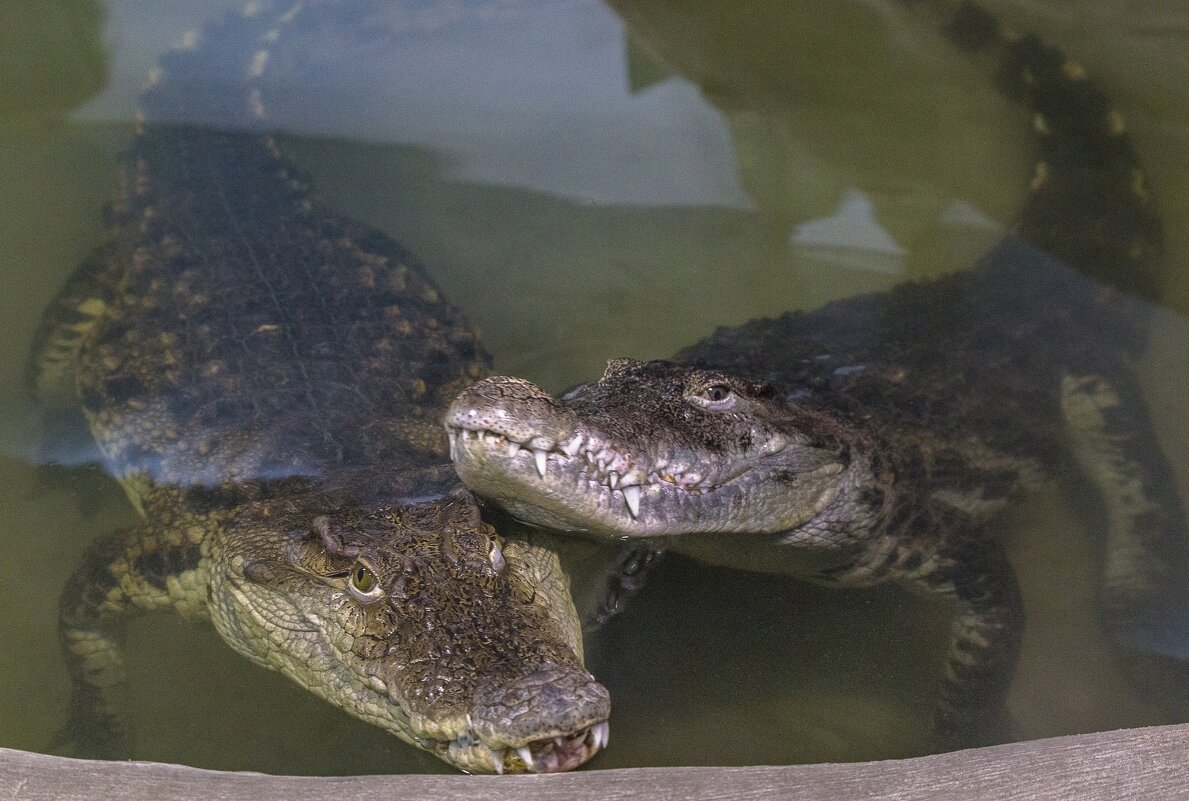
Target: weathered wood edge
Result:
[[1149, 763]]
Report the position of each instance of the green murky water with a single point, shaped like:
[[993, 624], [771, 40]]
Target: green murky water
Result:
[[588, 182]]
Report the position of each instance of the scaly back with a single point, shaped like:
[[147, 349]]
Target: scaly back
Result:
[[237, 328]]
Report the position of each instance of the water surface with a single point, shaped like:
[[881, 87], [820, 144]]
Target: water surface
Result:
[[586, 187]]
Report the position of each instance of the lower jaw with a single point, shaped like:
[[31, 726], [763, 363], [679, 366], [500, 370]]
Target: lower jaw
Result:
[[556, 759], [536, 513], [603, 513], [543, 756]]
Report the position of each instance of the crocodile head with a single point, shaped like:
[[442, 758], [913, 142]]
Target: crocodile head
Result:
[[651, 448], [418, 619]]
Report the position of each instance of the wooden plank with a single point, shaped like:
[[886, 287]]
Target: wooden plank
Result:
[[1150, 764]]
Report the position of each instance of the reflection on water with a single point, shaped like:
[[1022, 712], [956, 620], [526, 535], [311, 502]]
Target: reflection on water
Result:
[[579, 204]]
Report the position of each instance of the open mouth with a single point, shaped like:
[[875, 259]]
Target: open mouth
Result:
[[603, 466], [551, 755]]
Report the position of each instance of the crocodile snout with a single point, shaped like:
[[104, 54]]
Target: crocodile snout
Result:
[[516, 409], [555, 703]]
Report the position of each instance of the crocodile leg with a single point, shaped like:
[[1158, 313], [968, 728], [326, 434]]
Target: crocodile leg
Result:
[[67, 322], [123, 574], [970, 570], [625, 575], [984, 639], [1144, 570], [1144, 595]]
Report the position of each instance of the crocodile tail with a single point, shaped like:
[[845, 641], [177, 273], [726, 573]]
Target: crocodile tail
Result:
[[1089, 205], [216, 77], [1088, 202], [203, 147]]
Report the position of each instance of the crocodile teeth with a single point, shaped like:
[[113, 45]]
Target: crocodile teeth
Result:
[[526, 755], [631, 496], [602, 735], [540, 455], [571, 447], [496, 557], [613, 479], [497, 760], [453, 437], [513, 449]]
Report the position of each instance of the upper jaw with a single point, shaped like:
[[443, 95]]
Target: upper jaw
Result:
[[475, 743], [606, 467], [505, 428], [552, 719], [581, 482], [531, 455], [502, 430]]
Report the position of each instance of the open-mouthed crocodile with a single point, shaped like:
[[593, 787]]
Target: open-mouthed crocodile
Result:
[[871, 440], [267, 379]]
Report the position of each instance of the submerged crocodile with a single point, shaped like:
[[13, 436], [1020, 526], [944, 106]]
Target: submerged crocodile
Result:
[[266, 379], [872, 440]]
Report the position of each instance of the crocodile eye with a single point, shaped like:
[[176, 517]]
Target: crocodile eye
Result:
[[715, 397], [716, 393], [364, 585]]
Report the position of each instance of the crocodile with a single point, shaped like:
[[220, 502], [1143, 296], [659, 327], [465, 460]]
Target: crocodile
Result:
[[266, 379], [874, 439]]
